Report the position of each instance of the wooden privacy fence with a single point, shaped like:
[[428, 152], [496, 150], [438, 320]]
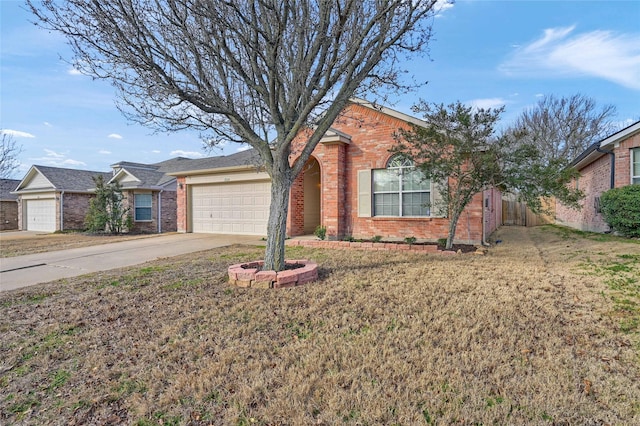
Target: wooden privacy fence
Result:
[[518, 214]]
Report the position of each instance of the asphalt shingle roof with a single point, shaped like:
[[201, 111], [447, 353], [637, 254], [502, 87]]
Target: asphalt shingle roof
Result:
[[71, 179], [6, 186]]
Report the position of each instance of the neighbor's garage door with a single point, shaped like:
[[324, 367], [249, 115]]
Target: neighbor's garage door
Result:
[[231, 208], [41, 215]]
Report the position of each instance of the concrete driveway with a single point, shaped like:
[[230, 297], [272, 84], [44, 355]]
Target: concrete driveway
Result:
[[23, 271]]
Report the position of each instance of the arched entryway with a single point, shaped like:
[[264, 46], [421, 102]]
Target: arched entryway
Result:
[[311, 196]]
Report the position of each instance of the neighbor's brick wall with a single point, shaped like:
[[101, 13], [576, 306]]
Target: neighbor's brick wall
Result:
[[623, 160], [8, 215], [75, 210], [595, 178], [169, 208], [371, 138], [168, 211]]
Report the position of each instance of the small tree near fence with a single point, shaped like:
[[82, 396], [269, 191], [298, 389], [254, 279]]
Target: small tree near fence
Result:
[[107, 212], [459, 149]]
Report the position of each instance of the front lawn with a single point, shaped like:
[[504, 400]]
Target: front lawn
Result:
[[542, 330]]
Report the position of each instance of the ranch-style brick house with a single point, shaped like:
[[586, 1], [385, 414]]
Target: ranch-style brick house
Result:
[[612, 162], [57, 199], [54, 199], [352, 185]]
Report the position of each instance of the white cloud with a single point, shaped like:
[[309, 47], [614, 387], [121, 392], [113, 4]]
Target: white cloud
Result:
[[52, 154], [442, 6], [74, 71], [16, 133], [114, 136], [243, 148], [56, 159], [487, 103], [561, 52], [188, 154], [104, 152], [70, 162], [46, 123], [155, 151]]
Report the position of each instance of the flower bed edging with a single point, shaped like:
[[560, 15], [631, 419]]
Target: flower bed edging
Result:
[[346, 245], [249, 275]]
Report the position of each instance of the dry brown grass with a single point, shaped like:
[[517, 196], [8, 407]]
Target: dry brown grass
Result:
[[536, 332], [19, 244]]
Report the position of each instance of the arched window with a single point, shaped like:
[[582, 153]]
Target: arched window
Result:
[[401, 189]]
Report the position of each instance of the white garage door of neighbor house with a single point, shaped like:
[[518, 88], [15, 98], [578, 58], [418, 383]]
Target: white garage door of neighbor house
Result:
[[41, 215], [231, 208]]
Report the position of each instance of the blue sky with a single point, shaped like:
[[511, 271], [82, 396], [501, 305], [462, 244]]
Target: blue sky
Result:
[[484, 53]]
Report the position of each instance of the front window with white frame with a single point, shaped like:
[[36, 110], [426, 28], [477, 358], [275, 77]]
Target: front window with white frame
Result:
[[142, 207], [401, 189], [635, 166]]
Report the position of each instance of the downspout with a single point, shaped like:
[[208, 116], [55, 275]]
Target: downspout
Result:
[[160, 211], [483, 240], [612, 181], [61, 210]]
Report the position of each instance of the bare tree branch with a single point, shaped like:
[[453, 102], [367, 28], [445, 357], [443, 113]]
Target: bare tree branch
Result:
[[9, 152]]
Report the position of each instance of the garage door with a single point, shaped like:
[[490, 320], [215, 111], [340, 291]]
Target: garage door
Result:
[[231, 208], [41, 215]]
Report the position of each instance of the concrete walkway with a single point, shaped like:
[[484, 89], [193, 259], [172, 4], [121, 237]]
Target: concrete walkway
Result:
[[23, 271]]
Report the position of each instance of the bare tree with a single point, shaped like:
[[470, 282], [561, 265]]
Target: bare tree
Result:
[[9, 152], [254, 72], [562, 128]]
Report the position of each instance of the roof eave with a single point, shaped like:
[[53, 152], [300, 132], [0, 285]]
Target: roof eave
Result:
[[240, 168]]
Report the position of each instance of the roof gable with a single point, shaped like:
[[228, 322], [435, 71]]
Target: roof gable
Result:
[[46, 178]]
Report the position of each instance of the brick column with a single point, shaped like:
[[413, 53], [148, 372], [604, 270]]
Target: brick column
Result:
[[295, 218], [333, 189], [181, 202]]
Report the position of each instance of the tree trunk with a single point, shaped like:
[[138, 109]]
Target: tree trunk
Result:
[[277, 227], [453, 224]]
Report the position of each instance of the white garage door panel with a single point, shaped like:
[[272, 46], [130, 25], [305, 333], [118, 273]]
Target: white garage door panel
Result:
[[231, 208], [41, 215]]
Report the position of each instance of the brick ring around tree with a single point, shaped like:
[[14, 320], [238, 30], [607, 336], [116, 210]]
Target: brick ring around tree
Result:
[[249, 274]]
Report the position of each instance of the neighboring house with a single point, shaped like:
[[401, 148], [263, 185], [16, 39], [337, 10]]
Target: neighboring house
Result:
[[352, 185], [8, 205], [149, 193], [55, 199], [610, 163]]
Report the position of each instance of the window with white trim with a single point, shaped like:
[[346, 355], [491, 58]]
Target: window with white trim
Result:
[[142, 207], [401, 189], [635, 166]]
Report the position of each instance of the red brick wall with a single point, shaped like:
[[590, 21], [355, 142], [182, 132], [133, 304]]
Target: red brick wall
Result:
[[181, 201], [168, 211], [169, 208], [75, 210], [8, 215], [372, 135], [623, 160], [595, 178]]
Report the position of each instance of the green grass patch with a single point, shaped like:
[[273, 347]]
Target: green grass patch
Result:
[[572, 234], [183, 283], [58, 379]]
